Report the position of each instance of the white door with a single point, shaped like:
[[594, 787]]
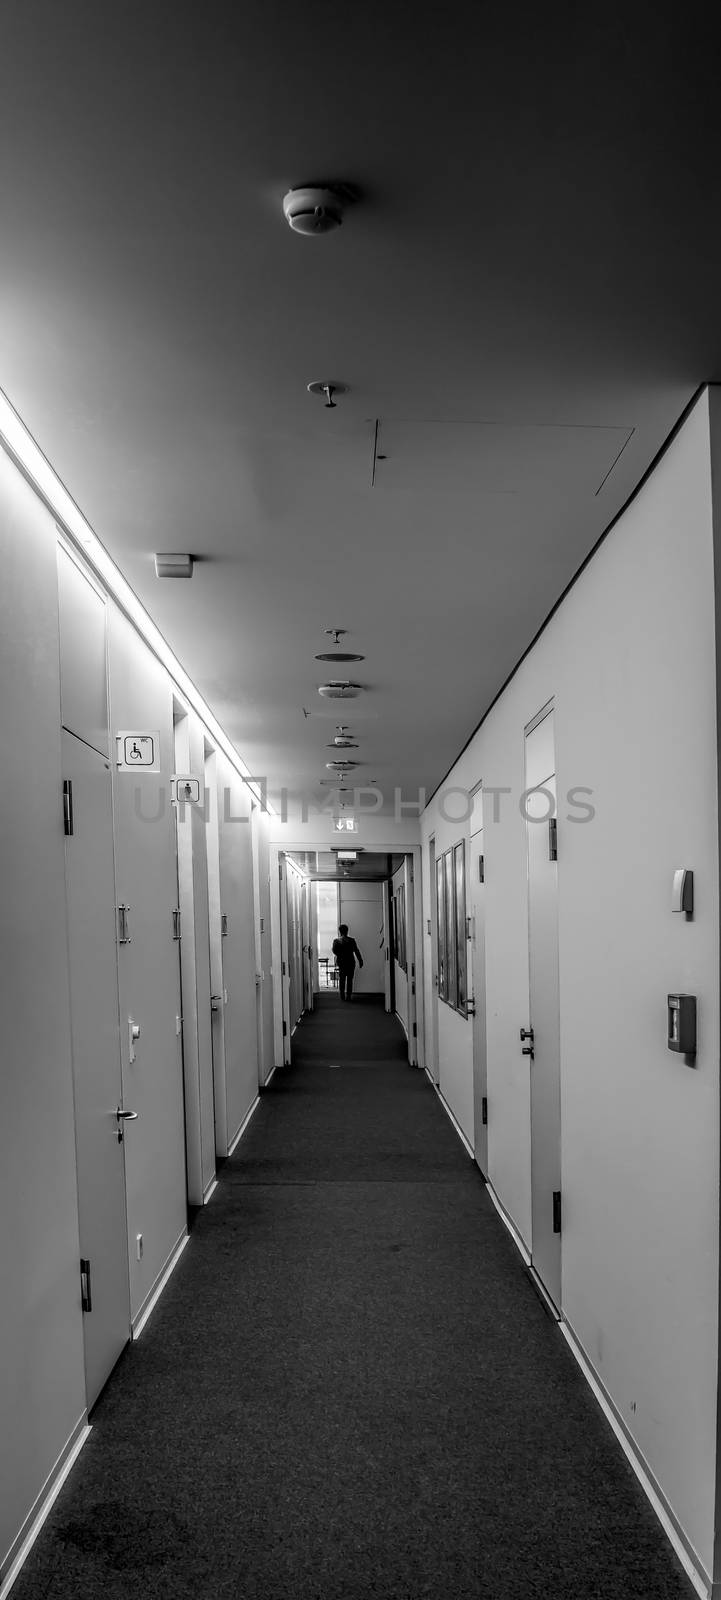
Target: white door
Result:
[[433, 885], [312, 922], [286, 1023], [411, 963], [100, 1131], [478, 979], [544, 1011]]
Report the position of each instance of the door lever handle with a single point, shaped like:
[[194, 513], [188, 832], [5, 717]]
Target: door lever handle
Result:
[[527, 1033], [215, 1002], [124, 1116], [527, 1050]]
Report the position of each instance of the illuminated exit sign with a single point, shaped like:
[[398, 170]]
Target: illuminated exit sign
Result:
[[345, 825]]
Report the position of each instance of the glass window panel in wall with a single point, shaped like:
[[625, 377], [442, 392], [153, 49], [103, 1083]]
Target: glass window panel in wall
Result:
[[459, 856], [441, 915], [450, 929]]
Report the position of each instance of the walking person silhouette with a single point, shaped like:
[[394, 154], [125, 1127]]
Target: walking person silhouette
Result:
[[345, 951]]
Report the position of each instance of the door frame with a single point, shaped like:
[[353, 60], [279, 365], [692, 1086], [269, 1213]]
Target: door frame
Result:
[[546, 1084]]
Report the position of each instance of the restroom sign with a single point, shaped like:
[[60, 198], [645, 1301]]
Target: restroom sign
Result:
[[138, 752]]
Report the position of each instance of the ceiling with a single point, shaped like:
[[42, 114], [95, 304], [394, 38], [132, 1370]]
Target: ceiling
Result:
[[371, 866], [524, 298]]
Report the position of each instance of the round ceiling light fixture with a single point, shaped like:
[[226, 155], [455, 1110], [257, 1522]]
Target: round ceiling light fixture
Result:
[[341, 766], [339, 655], [340, 689], [315, 208]]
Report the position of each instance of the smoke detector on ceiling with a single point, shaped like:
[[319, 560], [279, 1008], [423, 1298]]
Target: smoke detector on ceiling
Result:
[[316, 208], [340, 690], [172, 565]]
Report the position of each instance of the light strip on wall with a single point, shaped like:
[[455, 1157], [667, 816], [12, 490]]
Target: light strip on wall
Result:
[[28, 456]]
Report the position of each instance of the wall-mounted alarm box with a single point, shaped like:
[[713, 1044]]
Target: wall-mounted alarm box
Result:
[[682, 1023]]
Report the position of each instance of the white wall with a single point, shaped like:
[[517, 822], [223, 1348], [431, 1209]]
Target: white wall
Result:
[[42, 1380], [630, 659], [240, 1039], [42, 1374]]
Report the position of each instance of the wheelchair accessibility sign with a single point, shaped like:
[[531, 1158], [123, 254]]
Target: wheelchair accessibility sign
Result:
[[138, 752]]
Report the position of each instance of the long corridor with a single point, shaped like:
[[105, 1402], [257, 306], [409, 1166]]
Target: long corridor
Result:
[[349, 1387]]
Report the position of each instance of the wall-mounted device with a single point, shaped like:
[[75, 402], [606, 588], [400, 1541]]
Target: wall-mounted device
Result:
[[682, 1023], [682, 891], [171, 564]]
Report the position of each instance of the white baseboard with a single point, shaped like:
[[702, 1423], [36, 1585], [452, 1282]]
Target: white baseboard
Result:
[[153, 1296], [512, 1229], [270, 1074], [22, 1545], [210, 1191], [235, 1141], [653, 1491], [452, 1118]]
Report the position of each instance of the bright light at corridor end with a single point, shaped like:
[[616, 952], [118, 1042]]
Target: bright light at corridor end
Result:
[[21, 446]]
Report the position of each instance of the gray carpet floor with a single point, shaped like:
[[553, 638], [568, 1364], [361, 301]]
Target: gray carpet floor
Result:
[[349, 1388]]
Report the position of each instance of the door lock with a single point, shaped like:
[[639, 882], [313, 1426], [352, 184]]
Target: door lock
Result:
[[215, 1002]]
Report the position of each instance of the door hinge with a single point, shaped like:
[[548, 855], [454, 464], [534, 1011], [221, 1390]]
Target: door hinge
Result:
[[285, 1029], [283, 967], [557, 1211], [484, 1110], [481, 869], [223, 924], [415, 1030], [123, 934], [67, 806], [553, 839], [86, 1298], [176, 923], [280, 871]]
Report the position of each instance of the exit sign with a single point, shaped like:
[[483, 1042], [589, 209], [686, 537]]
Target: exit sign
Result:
[[345, 825]]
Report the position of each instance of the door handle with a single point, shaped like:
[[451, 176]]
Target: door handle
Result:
[[527, 1050], [215, 1002], [527, 1033], [124, 1116]]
